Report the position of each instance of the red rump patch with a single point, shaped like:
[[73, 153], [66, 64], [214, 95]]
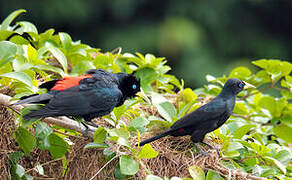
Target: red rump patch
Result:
[[68, 82], [181, 130]]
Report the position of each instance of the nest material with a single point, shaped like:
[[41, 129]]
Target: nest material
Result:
[[175, 156]]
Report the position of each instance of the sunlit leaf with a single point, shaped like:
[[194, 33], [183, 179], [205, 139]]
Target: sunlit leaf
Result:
[[7, 52], [147, 152], [20, 76], [128, 165], [7, 21], [197, 173]]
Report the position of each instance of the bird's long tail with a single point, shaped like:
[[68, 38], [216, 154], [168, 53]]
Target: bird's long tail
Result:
[[168, 132], [41, 113], [35, 99]]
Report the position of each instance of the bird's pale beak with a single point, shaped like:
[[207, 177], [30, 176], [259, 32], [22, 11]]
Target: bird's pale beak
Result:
[[247, 85]]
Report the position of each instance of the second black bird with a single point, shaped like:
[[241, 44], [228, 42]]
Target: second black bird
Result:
[[207, 118]]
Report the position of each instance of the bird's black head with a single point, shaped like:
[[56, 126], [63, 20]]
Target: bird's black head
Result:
[[234, 86], [128, 84]]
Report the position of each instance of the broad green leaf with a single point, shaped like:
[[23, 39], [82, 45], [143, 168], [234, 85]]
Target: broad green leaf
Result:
[[153, 177], [121, 136], [42, 132], [210, 78], [25, 140], [284, 132], [82, 67], [65, 40], [118, 174], [31, 53], [20, 76], [240, 108], [7, 52], [240, 72], [212, 175], [58, 54], [58, 146], [197, 173], [147, 152], [99, 135], [241, 131], [95, 145], [128, 165], [26, 26], [281, 166], [274, 105], [5, 24], [139, 123], [166, 110], [187, 95], [231, 154], [50, 68]]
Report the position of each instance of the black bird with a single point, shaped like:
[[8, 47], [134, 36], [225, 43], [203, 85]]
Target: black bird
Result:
[[88, 96], [206, 118]]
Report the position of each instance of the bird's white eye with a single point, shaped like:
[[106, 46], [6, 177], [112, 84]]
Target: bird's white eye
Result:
[[134, 86], [240, 85]]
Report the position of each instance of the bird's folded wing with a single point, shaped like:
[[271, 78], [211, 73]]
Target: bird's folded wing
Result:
[[203, 115], [77, 102]]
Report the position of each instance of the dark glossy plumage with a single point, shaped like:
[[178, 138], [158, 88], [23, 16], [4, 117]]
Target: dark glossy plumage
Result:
[[208, 117], [94, 95]]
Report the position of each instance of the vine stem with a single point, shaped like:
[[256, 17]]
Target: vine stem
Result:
[[103, 167]]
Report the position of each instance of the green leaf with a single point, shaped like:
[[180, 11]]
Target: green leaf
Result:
[[121, 136], [25, 139], [274, 105], [277, 163], [118, 174], [241, 131], [65, 40], [50, 68], [147, 152], [58, 146], [153, 177], [99, 135], [166, 110], [231, 154], [7, 52], [58, 54], [42, 132], [19, 76], [212, 175], [284, 132], [26, 27], [32, 53], [240, 108], [5, 24], [82, 66], [240, 72], [139, 123], [95, 145], [128, 165], [197, 173]]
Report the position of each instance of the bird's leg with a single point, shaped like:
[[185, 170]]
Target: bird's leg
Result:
[[201, 151], [212, 147]]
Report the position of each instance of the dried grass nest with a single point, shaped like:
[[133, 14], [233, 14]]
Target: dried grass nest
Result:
[[175, 156]]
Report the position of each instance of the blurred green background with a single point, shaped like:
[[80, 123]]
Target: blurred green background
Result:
[[197, 37]]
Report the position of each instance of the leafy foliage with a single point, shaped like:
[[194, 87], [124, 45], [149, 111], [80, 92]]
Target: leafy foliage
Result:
[[255, 139]]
